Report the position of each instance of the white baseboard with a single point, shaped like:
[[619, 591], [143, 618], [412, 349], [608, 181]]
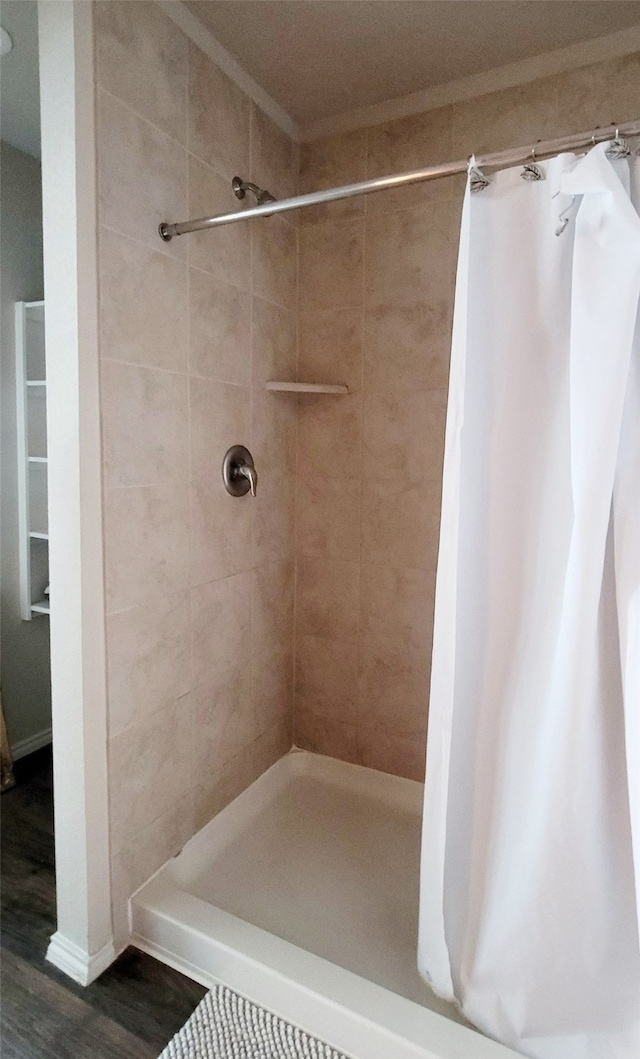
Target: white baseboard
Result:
[[75, 962], [32, 743]]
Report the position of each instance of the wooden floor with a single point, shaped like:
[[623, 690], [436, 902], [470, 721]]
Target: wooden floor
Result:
[[133, 1009]]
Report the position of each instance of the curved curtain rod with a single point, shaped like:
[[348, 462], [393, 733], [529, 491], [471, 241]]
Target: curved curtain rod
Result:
[[544, 148]]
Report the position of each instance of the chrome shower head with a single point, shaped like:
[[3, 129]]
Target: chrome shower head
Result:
[[240, 188]]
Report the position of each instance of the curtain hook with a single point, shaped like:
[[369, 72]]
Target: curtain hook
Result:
[[618, 148], [532, 171], [477, 179]]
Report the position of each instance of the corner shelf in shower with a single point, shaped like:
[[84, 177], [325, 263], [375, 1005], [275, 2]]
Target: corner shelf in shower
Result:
[[307, 387]]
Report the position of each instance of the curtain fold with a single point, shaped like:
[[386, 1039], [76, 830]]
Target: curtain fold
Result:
[[529, 902]]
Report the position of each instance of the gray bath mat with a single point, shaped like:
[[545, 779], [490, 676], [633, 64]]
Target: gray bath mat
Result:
[[226, 1026]]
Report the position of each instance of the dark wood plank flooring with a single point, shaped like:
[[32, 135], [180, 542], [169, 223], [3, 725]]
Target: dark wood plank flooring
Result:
[[130, 1012]]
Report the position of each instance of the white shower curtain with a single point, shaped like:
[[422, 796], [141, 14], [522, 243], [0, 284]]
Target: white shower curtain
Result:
[[529, 892]]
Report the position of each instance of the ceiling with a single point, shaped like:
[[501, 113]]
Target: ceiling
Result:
[[320, 58], [19, 77]]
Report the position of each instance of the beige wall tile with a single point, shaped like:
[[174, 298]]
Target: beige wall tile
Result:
[[330, 436], [224, 252], [397, 606], [141, 58], [220, 416], [219, 329], [403, 145], [273, 343], [395, 688], [329, 163], [403, 434], [141, 176], [220, 627], [150, 769], [223, 722], [597, 95], [273, 596], [400, 522], [215, 789], [328, 517], [510, 118], [273, 432], [411, 253], [273, 261], [327, 736], [271, 746], [146, 543], [274, 157], [218, 117], [143, 853], [389, 753], [330, 265], [274, 518], [144, 425], [273, 691], [327, 598], [330, 347], [327, 678], [148, 659], [407, 347], [221, 528], [143, 304]]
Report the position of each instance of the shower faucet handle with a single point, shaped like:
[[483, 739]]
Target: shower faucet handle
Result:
[[247, 470], [238, 471]]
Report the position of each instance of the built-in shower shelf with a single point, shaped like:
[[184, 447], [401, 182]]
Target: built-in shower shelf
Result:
[[307, 387], [40, 608]]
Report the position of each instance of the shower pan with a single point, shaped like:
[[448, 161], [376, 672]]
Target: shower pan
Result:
[[302, 894]]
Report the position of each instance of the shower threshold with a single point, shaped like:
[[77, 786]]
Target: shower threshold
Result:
[[302, 895]]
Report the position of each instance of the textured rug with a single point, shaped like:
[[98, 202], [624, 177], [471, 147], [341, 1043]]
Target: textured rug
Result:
[[226, 1026]]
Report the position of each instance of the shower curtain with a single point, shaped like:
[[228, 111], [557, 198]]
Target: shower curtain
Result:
[[531, 838]]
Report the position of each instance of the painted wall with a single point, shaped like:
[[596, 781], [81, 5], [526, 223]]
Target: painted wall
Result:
[[376, 286], [199, 585], [25, 672]]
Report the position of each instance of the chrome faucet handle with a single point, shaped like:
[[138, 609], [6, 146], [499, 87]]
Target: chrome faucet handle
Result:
[[248, 471], [238, 471]]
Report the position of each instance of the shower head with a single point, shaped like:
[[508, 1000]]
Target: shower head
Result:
[[240, 188]]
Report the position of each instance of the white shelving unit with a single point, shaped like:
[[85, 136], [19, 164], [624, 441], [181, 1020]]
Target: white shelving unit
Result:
[[31, 416], [307, 387]]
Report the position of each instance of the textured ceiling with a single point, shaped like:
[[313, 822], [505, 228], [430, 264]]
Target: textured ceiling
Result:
[[319, 58]]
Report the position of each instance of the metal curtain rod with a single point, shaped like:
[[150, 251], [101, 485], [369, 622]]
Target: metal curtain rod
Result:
[[543, 149]]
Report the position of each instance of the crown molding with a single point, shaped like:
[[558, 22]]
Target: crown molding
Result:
[[561, 60], [196, 31]]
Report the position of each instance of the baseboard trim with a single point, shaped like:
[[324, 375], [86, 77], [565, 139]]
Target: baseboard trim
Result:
[[75, 962], [31, 744]]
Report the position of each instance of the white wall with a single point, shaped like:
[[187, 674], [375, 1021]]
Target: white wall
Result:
[[25, 671]]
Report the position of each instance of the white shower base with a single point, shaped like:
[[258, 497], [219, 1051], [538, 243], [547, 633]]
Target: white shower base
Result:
[[303, 895]]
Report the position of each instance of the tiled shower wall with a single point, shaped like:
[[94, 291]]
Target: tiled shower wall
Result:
[[376, 285], [199, 584]]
